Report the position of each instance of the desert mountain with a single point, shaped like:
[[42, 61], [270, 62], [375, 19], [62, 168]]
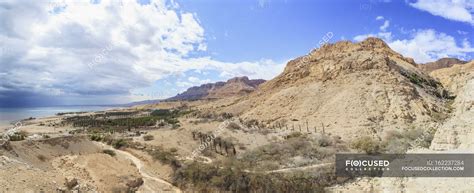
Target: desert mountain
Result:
[[453, 136], [237, 86], [350, 89], [457, 131], [441, 63]]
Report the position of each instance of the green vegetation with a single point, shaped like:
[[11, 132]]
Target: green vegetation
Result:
[[121, 113], [18, 136], [124, 121], [96, 137], [165, 156], [419, 80], [119, 143], [109, 152], [163, 113], [121, 122]]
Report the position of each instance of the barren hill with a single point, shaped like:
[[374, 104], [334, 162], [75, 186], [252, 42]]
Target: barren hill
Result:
[[439, 64], [350, 89], [457, 132], [233, 87]]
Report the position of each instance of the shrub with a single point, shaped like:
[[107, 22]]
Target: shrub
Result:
[[109, 152], [117, 144], [148, 137], [166, 157], [367, 144], [18, 136], [401, 141], [324, 141], [96, 137], [293, 135]]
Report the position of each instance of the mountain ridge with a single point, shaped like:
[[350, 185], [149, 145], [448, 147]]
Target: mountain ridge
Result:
[[236, 86], [439, 64]]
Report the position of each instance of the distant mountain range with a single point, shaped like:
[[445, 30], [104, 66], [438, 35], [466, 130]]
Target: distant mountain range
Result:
[[233, 87], [441, 63]]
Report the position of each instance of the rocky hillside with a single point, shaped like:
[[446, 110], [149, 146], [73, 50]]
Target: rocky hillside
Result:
[[350, 89], [439, 64], [457, 131], [455, 135], [234, 87]]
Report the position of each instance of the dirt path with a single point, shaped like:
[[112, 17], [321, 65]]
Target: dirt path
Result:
[[300, 168], [315, 166], [150, 183]]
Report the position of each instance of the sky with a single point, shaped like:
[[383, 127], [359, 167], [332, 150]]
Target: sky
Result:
[[59, 52]]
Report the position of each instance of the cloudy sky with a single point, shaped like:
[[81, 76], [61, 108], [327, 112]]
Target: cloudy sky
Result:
[[59, 52]]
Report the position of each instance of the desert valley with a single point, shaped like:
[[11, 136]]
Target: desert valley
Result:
[[244, 135]]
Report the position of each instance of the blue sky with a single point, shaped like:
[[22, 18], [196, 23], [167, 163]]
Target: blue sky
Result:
[[122, 51]]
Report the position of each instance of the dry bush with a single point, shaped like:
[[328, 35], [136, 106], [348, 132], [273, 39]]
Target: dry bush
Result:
[[109, 152], [148, 137], [367, 144], [400, 141], [134, 184], [324, 140]]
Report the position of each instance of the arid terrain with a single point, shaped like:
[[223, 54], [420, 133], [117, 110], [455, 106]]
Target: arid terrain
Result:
[[243, 135]]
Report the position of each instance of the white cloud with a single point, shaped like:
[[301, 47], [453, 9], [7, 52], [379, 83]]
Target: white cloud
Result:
[[385, 25], [429, 45], [198, 81], [425, 45], [263, 3], [460, 32], [457, 10], [359, 38], [116, 47]]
